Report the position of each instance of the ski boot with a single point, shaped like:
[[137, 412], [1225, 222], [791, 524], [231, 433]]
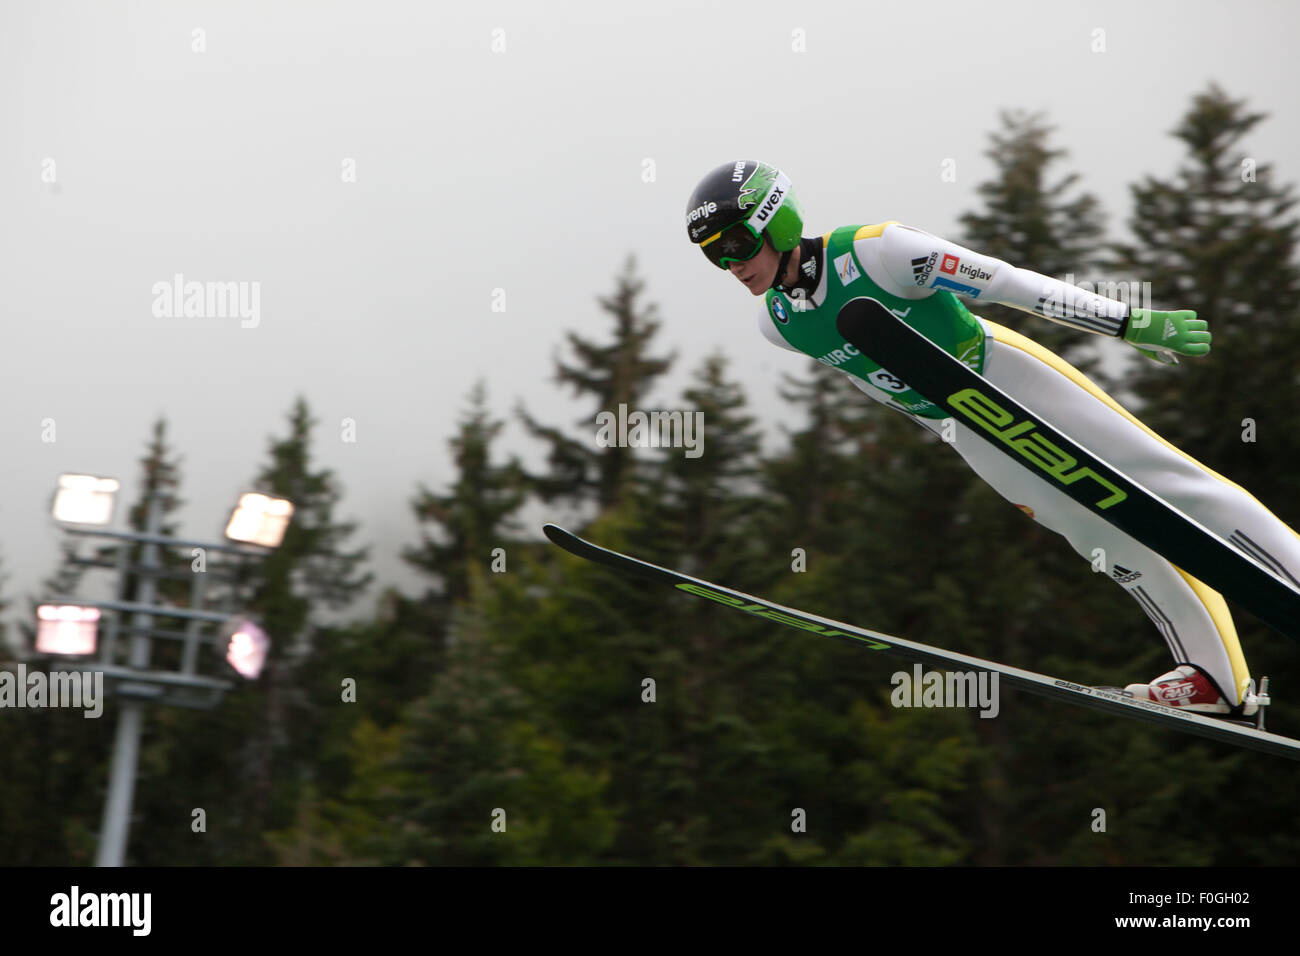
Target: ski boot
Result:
[[1188, 688]]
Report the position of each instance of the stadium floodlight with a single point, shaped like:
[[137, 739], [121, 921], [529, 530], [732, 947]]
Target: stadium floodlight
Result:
[[85, 499], [259, 519], [66, 629], [247, 649]]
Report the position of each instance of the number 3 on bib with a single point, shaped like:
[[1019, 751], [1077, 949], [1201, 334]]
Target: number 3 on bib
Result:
[[887, 381]]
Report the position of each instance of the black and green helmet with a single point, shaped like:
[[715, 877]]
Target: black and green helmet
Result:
[[735, 205]]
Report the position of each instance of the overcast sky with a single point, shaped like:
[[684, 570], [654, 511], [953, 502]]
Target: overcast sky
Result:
[[490, 146]]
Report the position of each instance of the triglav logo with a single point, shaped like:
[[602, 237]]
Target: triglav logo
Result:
[[638, 429], [82, 690], [179, 299]]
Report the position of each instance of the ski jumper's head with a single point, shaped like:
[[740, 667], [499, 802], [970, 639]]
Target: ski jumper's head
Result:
[[745, 218]]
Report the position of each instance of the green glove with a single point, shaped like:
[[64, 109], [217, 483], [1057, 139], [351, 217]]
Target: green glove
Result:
[[1158, 335]]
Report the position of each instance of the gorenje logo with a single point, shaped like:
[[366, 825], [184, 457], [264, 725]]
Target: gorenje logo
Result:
[[1026, 441], [770, 205], [700, 211], [774, 615]]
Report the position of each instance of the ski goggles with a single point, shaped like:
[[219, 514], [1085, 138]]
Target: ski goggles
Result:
[[736, 243]]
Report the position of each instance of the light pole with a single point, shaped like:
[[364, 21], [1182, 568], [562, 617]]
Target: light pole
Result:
[[83, 505]]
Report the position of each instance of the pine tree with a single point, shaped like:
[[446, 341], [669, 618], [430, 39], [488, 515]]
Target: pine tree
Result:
[[478, 746], [249, 761], [403, 647], [711, 488], [1027, 597], [1220, 236], [161, 475], [311, 568], [309, 572], [611, 375], [160, 478], [1034, 221], [473, 518]]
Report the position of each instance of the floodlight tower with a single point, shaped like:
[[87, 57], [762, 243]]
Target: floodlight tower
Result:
[[67, 627]]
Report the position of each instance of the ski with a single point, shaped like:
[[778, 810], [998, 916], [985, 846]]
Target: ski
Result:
[[1077, 471], [1094, 697]]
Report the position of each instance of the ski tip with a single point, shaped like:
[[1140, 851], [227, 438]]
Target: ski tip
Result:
[[555, 533]]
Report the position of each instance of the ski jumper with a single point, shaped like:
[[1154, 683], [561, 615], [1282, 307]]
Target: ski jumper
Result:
[[924, 279]]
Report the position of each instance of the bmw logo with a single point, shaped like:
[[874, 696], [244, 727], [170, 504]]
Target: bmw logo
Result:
[[778, 310]]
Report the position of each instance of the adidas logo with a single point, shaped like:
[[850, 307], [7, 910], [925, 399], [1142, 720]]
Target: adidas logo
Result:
[[1123, 575], [1170, 329], [922, 266]]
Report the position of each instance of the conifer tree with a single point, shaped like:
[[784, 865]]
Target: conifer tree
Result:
[[1034, 220], [248, 761], [618, 373], [712, 487], [1219, 236], [474, 516]]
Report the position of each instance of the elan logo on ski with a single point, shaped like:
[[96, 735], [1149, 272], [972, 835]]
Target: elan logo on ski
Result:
[[1097, 698], [1029, 440], [713, 594]]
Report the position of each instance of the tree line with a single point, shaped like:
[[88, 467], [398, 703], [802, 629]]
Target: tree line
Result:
[[505, 714]]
